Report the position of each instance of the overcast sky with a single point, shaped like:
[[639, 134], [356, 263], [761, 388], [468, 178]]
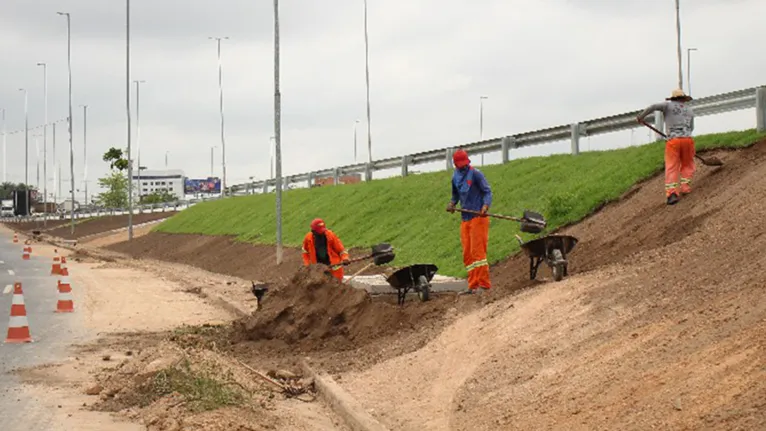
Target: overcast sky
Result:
[[541, 63]]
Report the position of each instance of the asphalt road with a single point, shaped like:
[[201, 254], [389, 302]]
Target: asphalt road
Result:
[[51, 333]]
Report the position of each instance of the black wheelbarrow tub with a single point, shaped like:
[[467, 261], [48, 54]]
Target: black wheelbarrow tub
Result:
[[408, 276], [537, 247]]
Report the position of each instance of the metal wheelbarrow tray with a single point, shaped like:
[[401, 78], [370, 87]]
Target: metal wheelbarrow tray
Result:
[[417, 277], [551, 249]]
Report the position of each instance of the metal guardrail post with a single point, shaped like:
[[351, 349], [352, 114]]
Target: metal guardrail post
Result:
[[336, 175], [311, 179], [505, 147], [575, 139], [448, 157], [368, 172], [760, 109], [405, 161], [265, 187]]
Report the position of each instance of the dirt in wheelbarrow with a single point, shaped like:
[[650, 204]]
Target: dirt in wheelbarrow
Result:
[[340, 326]]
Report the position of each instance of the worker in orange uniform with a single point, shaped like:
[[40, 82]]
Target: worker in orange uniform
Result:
[[471, 189], [321, 245], [679, 149]]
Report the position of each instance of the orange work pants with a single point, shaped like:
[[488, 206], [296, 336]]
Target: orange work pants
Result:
[[474, 235], [679, 161]]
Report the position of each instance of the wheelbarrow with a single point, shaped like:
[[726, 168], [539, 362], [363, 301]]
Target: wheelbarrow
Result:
[[414, 277], [551, 249]]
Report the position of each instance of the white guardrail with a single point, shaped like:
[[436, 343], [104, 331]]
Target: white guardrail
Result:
[[754, 97]]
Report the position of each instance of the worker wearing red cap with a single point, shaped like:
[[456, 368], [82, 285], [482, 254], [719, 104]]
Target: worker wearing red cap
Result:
[[321, 245], [471, 189]]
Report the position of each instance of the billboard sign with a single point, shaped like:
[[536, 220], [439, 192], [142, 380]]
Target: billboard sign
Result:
[[204, 185]]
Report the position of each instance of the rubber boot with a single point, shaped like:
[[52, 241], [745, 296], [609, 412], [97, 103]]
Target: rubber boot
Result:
[[673, 199]]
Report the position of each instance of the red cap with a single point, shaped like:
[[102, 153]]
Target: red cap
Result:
[[318, 226], [460, 159]]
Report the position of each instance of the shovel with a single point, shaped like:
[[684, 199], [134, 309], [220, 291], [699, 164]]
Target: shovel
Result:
[[531, 222], [711, 161], [380, 254]]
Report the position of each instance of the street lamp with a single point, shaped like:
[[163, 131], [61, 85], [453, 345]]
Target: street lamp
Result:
[[85, 150], [367, 81], [481, 123], [26, 139], [271, 157], [278, 133], [356, 123], [689, 68], [127, 111], [5, 157], [138, 134], [71, 145], [220, 91], [678, 45], [45, 144]]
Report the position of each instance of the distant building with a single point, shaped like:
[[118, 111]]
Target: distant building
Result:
[[152, 181]]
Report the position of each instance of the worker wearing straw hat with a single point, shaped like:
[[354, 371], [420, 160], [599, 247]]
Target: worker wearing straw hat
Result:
[[679, 148]]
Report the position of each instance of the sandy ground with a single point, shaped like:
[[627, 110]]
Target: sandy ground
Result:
[[111, 300]]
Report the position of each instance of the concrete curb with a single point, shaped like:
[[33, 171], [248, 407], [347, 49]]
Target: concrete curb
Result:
[[341, 402]]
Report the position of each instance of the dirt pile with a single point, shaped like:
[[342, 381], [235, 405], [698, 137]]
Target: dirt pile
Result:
[[313, 312], [175, 385]]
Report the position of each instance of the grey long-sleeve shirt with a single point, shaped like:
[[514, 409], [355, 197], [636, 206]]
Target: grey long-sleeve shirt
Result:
[[679, 117]]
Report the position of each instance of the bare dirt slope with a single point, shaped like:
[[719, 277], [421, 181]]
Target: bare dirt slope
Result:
[[87, 227], [661, 326]]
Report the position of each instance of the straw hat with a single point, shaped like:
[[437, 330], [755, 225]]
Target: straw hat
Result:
[[679, 94]]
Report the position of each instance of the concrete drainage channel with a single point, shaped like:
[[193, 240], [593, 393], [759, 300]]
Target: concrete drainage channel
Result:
[[377, 284]]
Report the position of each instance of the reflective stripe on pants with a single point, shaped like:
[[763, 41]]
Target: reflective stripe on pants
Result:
[[474, 236]]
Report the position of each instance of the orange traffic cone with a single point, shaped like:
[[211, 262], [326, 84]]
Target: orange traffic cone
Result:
[[26, 252], [18, 327], [15, 238], [65, 303], [56, 266]]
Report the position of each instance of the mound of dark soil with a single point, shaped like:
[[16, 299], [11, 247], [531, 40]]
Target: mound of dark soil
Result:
[[312, 312]]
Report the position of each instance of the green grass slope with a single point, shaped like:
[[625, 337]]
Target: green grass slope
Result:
[[410, 212]]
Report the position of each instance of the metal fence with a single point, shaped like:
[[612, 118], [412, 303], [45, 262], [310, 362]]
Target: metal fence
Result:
[[754, 97]]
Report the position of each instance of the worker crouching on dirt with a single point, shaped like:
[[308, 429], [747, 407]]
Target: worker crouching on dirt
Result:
[[471, 189], [679, 149], [321, 245]]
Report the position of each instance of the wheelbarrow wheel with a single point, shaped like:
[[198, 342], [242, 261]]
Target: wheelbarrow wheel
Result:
[[558, 271], [424, 288]]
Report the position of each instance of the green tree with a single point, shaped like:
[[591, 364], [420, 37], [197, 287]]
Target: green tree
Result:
[[115, 183]]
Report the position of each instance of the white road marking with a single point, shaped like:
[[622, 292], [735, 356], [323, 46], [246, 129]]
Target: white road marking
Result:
[[10, 272], [7, 289], [2, 263]]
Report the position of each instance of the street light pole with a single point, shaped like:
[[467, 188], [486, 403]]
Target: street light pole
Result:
[[367, 81], [481, 123], [26, 139], [278, 132], [138, 134], [127, 110], [678, 45], [85, 150], [212, 167], [356, 123], [271, 157], [5, 154], [689, 69], [71, 144], [220, 92], [166, 159], [45, 144]]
